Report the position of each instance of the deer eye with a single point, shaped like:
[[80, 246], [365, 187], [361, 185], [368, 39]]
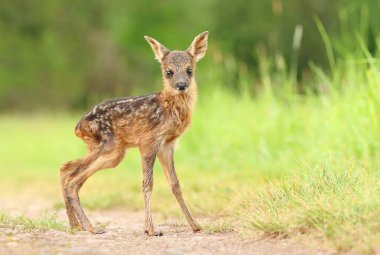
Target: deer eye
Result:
[[189, 72], [169, 74]]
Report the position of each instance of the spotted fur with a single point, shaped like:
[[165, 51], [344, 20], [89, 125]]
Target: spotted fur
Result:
[[151, 122]]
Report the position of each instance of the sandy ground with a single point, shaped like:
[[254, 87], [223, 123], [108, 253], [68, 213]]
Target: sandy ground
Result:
[[125, 236]]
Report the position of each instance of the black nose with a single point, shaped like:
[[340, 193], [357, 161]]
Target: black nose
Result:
[[181, 86]]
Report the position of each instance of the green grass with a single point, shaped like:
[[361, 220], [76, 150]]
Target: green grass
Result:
[[340, 205], [280, 164], [44, 222]]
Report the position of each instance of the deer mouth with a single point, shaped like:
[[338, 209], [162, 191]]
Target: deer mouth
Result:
[[181, 89], [181, 86]]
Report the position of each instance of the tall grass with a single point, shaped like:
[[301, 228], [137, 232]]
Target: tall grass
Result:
[[333, 133]]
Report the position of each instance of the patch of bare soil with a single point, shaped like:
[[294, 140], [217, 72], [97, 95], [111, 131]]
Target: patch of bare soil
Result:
[[125, 236]]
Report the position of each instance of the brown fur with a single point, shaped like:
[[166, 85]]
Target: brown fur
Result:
[[152, 123]]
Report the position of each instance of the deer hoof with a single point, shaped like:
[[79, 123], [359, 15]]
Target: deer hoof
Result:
[[97, 231], [153, 233], [196, 229]]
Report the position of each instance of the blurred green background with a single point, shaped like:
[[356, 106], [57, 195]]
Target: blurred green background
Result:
[[74, 53], [285, 138]]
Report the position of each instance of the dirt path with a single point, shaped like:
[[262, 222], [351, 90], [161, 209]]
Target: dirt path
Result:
[[124, 236]]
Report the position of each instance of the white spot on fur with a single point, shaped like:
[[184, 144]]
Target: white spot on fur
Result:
[[95, 109]]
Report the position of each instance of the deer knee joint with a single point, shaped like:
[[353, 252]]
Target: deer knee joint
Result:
[[70, 191], [147, 185]]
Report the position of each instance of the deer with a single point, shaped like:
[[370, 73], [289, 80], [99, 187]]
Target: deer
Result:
[[152, 123]]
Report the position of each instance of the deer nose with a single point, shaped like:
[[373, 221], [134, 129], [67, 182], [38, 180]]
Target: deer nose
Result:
[[181, 86]]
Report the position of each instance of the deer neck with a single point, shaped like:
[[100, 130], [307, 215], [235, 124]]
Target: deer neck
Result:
[[183, 103]]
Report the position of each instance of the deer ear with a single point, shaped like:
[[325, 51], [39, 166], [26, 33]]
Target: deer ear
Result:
[[199, 46], [160, 51]]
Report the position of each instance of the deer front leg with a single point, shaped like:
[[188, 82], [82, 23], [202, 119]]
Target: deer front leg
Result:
[[165, 155], [147, 160]]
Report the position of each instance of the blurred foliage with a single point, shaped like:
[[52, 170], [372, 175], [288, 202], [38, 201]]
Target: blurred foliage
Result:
[[70, 54]]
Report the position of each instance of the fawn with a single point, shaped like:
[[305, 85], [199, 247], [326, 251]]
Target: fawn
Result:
[[152, 123]]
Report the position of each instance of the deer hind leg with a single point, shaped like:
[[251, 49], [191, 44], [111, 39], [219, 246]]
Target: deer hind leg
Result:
[[165, 155], [66, 170], [69, 169], [107, 156]]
